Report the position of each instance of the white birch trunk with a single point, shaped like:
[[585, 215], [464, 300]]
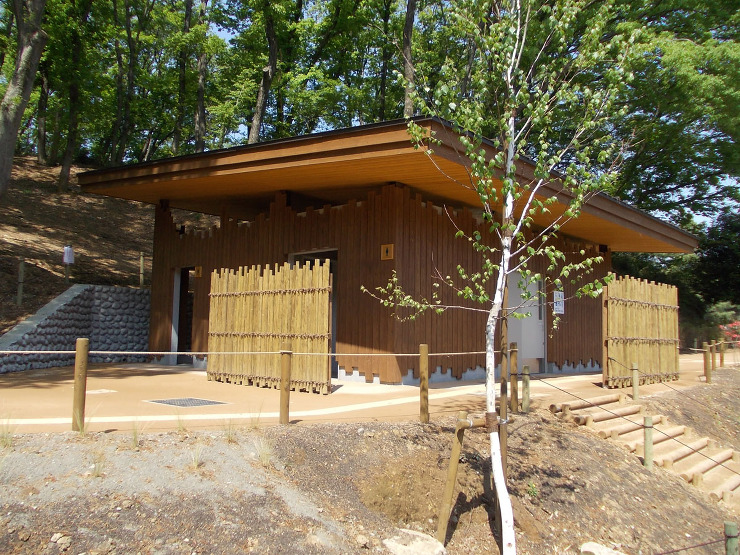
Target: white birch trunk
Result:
[[508, 540]]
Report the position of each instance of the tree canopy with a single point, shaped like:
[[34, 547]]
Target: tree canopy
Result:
[[124, 81]]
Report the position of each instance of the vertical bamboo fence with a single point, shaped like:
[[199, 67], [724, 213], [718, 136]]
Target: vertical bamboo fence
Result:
[[256, 310], [640, 326]]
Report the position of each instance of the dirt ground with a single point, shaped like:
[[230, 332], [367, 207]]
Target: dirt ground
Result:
[[344, 488]]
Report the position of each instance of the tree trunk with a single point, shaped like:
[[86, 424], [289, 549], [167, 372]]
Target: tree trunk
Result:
[[268, 72], [384, 59], [200, 111], [74, 99], [126, 123], [55, 139], [41, 118], [182, 64], [31, 42], [408, 66]]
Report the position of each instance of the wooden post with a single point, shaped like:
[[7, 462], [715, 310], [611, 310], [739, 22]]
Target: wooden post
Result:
[[606, 379], [713, 351], [707, 365], [635, 382], [514, 363], [80, 385], [647, 460], [731, 543], [525, 389], [722, 345], [503, 430], [141, 270], [286, 356], [424, 383], [21, 279], [446, 507]]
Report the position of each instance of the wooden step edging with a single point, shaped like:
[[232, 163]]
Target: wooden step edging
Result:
[[588, 419], [614, 433], [586, 403], [729, 488], [708, 464], [667, 460], [659, 437]]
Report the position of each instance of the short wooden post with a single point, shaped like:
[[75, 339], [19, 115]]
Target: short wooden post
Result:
[[525, 389], [722, 346], [713, 351], [82, 348], [731, 543], [424, 383], [141, 270], [503, 430], [514, 363], [647, 460], [635, 382], [286, 356], [707, 364], [21, 279], [446, 506]]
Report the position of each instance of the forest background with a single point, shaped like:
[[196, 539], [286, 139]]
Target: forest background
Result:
[[125, 81]]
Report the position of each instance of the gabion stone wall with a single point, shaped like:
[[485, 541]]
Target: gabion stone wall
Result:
[[113, 318]]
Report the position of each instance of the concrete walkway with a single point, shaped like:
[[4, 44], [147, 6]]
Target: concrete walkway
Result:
[[119, 397]]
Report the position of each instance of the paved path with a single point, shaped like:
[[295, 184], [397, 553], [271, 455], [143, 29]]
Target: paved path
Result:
[[119, 396]]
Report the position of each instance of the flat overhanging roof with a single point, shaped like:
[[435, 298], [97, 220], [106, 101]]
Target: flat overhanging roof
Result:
[[337, 166]]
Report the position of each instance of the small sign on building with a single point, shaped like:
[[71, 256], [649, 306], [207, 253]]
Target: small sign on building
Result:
[[558, 306]]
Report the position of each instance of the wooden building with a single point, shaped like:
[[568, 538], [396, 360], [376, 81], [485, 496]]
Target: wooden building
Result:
[[370, 202]]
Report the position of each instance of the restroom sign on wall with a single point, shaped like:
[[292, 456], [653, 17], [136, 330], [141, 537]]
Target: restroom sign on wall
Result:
[[558, 306]]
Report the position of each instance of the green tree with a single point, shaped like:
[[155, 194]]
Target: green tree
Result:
[[24, 16], [719, 260], [528, 76], [683, 124]]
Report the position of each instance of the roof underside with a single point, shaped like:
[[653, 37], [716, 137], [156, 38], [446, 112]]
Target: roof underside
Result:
[[335, 167]]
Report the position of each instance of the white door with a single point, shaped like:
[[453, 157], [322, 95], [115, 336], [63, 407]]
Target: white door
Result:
[[529, 333]]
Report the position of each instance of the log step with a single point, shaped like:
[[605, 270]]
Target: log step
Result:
[[726, 490], [629, 427], [611, 414], [667, 460], [707, 464], [596, 401], [659, 436]]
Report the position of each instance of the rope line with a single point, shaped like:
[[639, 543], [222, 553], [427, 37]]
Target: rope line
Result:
[[643, 339], [269, 292], [250, 353], [690, 547], [643, 303]]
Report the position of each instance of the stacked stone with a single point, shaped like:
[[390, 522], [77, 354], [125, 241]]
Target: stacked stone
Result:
[[120, 322], [113, 318]]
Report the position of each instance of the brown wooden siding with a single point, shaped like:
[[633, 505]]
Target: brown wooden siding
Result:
[[424, 241]]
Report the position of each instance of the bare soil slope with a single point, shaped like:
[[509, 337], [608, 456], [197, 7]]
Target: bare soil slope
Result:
[[36, 222]]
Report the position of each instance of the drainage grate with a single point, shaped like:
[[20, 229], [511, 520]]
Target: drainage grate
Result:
[[187, 402]]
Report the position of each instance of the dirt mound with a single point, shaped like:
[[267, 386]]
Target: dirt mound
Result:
[[338, 488]]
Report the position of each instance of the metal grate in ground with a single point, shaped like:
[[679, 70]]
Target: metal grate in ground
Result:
[[185, 402]]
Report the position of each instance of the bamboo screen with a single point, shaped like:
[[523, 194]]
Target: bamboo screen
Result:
[[641, 326], [257, 311]]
